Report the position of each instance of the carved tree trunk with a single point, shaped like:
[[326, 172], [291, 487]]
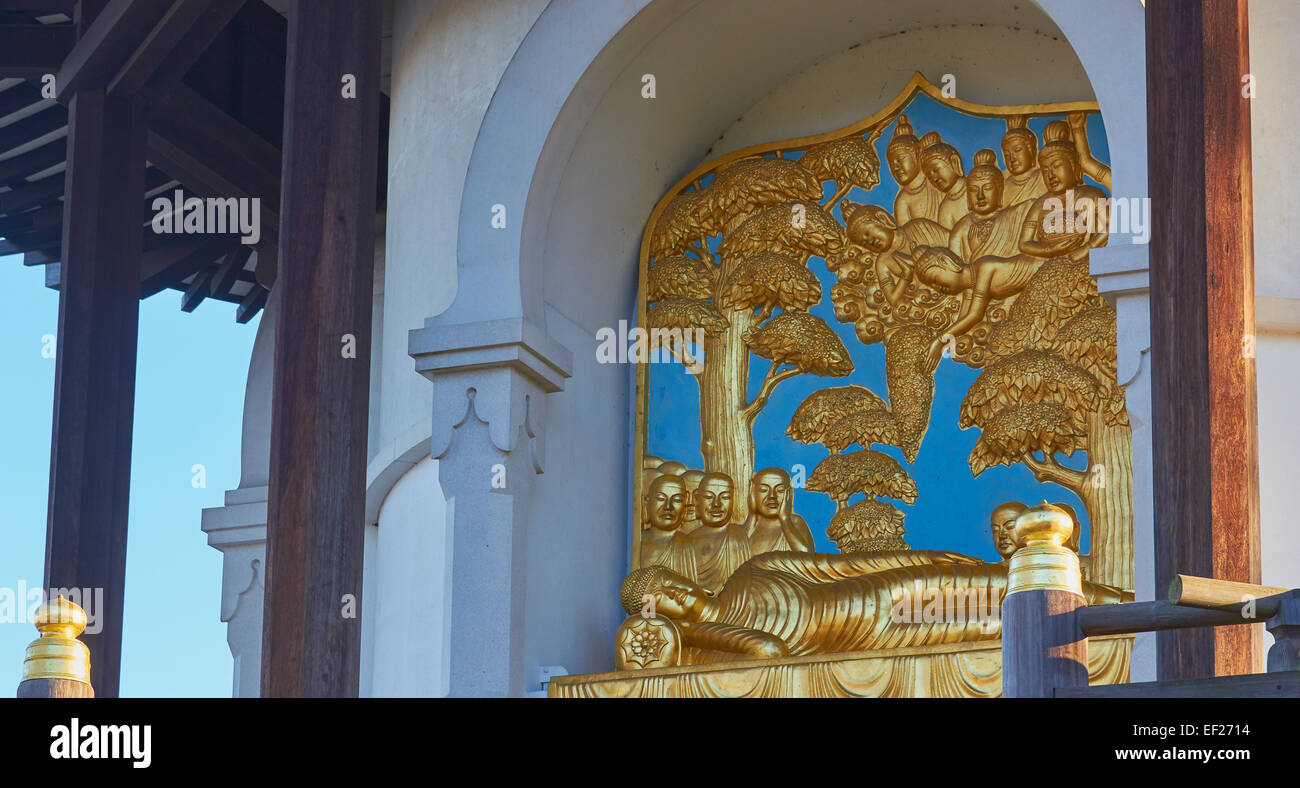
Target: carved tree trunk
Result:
[[1107, 492], [726, 440]]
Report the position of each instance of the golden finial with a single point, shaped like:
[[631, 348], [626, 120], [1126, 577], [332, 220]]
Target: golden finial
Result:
[[57, 654], [1042, 559]]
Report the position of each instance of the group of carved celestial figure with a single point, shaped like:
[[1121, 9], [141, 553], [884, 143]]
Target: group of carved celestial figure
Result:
[[982, 233]]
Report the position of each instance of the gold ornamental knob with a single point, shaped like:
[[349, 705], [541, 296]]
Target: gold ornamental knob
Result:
[[1044, 524], [57, 654], [1042, 561]]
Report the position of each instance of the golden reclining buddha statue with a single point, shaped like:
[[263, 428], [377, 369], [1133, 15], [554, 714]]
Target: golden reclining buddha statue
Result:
[[788, 603]]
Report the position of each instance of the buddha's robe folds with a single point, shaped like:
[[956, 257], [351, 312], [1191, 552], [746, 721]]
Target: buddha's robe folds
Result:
[[718, 552], [998, 235], [822, 603], [671, 549], [1027, 186], [917, 200]]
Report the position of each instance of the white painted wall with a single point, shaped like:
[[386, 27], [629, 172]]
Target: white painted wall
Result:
[[1275, 137], [407, 589]]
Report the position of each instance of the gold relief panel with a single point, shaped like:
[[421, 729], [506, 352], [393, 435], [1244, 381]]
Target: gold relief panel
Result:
[[860, 350]]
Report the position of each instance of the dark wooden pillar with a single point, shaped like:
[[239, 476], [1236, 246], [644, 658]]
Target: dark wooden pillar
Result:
[[310, 645], [1202, 318], [94, 387]]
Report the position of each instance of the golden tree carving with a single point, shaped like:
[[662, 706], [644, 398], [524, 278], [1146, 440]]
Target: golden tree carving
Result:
[[1048, 389], [752, 296]]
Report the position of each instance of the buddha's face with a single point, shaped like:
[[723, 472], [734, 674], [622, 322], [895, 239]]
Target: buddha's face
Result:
[[902, 162], [1060, 173], [665, 503], [983, 193], [770, 493], [1003, 525], [941, 173], [678, 598], [874, 235], [1018, 153], [713, 502]]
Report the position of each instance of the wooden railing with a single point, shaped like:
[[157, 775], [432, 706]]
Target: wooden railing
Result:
[[1045, 635]]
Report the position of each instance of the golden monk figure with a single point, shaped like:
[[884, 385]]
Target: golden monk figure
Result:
[[772, 523], [988, 229], [786, 603], [942, 165], [663, 512], [917, 197], [1072, 217], [871, 227], [719, 545], [1024, 181], [1002, 523]]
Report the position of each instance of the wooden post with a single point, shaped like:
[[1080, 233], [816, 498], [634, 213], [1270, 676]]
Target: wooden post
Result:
[[1043, 646], [311, 635], [94, 385], [1285, 628], [1202, 319]]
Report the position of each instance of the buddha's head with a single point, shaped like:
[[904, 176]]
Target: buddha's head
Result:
[[902, 153], [713, 500], [664, 503], [1020, 149], [984, 184], [675, 596], [1058, 160], [938, 268], [1003, 525], [770, 494], [941, 162], [869, 226]]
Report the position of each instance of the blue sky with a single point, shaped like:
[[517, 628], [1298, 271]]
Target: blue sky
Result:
[[952, 510], [189, 402]]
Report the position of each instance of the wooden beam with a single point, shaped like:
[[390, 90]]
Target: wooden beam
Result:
[[106, 44], [167, 52], [39, 7], [94, 389], [18, 97], [251, 304], [31, 51], [214, 155], [33, 161], [321, 398], [32, 194], [1202, 319], [30, 242], [198, 289], [228, 272], [1257, 685], [34, 126], [174, 264]]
